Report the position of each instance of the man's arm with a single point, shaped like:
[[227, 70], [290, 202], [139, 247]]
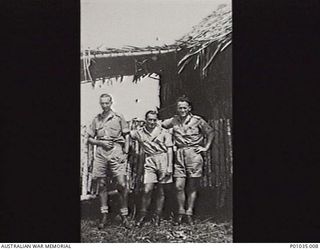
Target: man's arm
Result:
[[91, 133], [126, 143], [170, 159], [126, 133], [167, 123], [210, 137], [169, 144], [101, 143], [208, 131], [93, 141], [205, 148]]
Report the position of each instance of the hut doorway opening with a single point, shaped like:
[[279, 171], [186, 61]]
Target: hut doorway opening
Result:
[[131, 100]]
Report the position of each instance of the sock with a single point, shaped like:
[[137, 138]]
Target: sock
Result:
[[104, 209], [182, 211], [189, 212], [124, 211]]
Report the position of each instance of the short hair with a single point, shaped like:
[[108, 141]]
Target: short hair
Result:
[[106, 95], [184, 99], [152, 112]]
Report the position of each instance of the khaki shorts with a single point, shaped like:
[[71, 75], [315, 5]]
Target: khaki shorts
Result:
[[187, 163], [155, 168], [111, 163]]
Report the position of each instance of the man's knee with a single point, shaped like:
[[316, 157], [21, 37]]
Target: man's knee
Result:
[[179, 187], [160, 189], [122, 185], [102, 183], [147, 190]]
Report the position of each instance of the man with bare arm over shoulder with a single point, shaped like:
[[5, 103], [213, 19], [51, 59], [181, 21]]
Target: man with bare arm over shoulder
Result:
[[188, 133], [157, 146]]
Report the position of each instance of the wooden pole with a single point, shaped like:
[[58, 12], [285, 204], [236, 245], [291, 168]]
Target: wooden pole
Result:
[[84, 190], [216, 161], [205, 170], [223, 171]]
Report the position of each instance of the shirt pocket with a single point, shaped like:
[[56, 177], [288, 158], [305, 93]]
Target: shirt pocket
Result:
[[100, 132], [114, 132], [192, 130]]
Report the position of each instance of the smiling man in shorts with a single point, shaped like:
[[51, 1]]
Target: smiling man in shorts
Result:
[[157, 146], [189, 132]]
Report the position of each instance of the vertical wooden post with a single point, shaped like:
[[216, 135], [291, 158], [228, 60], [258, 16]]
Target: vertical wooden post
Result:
[[84, 190], [223, 171], [205, 167], [229, 147], [230, 169], [216, 162]]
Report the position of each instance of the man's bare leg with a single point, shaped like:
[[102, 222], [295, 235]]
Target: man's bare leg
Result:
[[103, 194], [145, 202], [159, 203], [192, 185], [180, 183], [123, 195]]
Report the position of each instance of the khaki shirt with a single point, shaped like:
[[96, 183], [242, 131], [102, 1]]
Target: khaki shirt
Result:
[[155, 142], [191, 132], [111, 127]]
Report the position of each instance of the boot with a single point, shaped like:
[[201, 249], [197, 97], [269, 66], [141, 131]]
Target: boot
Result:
[[141, 220], [190, 220], [125, 221], [103, 221], [178, 220], [157, 220]]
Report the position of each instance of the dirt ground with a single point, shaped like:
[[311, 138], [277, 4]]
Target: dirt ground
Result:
[[204, 230]]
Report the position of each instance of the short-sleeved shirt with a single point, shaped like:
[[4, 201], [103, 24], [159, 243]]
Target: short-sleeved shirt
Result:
[[111, 127], [155, 142], [191, 132]]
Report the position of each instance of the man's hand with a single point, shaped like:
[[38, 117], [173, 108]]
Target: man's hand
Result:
[[106, 144], [169, 171], [167, 175], [125, 150], [200, 149]]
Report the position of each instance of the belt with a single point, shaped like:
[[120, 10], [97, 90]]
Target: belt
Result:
[[105, 139], [187, 146], [114, 143], [158, 153]]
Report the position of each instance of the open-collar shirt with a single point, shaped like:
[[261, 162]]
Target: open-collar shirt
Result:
[[111, 127], [189, 132], [154, 142]]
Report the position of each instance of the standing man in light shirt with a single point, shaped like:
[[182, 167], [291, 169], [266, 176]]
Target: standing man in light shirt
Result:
[[157, 146], [110, 133], [189, 132]]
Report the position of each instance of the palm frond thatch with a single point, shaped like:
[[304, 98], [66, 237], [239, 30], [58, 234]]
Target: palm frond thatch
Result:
[[128, 49], [213, 33], [204, 42]]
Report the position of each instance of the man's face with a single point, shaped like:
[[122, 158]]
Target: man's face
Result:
[[151, 121], [183, 109], [105, 103]]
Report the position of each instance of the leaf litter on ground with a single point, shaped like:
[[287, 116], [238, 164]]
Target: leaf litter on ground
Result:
[[203, 231]]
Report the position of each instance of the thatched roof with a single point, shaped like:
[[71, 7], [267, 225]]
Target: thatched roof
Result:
[[214, 31], [211, 36], [129, 50]]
